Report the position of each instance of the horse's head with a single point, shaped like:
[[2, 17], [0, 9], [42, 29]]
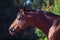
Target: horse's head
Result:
[[18, 24], [23, 20]]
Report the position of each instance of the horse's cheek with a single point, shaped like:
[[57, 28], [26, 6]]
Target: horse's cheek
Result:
[[29, 23]]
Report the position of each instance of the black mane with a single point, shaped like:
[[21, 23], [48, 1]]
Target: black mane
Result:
[[52, 14], [44, 12]]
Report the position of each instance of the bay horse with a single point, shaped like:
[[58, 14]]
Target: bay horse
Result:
[[47, 22]]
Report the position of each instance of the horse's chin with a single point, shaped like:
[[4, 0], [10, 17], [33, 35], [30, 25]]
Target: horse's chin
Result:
[[12, 33]]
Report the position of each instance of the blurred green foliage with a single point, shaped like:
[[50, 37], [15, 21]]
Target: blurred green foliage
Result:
[[56, 9], [40, 34]]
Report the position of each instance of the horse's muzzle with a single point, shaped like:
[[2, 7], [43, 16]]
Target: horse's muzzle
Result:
[[11, 32]]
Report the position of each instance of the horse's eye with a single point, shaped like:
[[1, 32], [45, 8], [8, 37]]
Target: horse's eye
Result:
[[19, 18]]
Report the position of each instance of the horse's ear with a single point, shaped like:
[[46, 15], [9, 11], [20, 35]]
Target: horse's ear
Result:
[[22, 11]]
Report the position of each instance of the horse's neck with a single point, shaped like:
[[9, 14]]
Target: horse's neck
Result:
[[51, 16], [40, 21], [43, 24]]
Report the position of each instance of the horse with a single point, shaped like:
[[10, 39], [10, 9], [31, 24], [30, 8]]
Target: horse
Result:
[[47, 22]]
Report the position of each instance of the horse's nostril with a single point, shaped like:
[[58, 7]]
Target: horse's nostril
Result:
[[11, 32]]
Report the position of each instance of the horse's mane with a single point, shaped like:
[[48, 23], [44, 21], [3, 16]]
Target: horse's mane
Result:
[[41, 11], [28, 10], [47, 13], [50, 13]]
